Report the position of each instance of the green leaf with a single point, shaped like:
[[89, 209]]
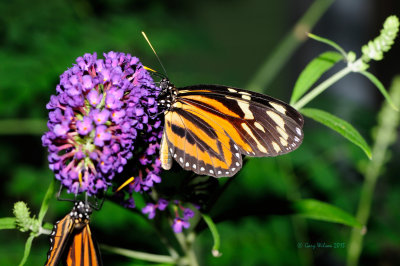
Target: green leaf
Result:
[[318, 210], [7, 223], [45, 202], [313, 72], [380, 87], [28, 246], [340, 126], [328, 42]]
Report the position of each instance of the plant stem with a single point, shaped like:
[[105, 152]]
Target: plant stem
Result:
[[139, 255], [274, 63], [386, 134], [321, 87], [22, 126]]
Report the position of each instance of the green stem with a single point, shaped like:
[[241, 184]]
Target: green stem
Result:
[[22, 126], [386, 134], [215, 234], [274, 63], [321, 87], [139, 255], [186, 243]]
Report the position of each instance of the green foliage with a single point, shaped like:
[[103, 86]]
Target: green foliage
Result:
[[8, 223], [374, 49], [380, 87], [342, 127], [23, 219], [386, 135], [313, 71], [28, 246], [314, 209]]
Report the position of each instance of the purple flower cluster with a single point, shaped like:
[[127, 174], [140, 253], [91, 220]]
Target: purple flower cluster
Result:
[[101, 109], [180, 221]]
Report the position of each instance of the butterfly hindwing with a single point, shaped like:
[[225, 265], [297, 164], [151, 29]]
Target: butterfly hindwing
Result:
[[208, 127], [83, 250]]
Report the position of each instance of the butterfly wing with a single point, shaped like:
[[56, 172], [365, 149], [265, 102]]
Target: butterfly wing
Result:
[[83, 251], [59, 240], [209, 127]]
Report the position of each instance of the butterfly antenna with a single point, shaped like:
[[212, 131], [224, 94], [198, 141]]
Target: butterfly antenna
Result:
[[154, 51]]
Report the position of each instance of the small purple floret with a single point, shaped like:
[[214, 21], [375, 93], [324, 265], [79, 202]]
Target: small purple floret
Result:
[[179, 224]]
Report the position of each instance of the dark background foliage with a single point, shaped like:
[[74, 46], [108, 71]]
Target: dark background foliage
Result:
[[221, 42]]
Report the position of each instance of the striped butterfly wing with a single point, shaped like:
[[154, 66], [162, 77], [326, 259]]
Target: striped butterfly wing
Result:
[[59, 237], [72, 234], [209, 127], [83, 251]]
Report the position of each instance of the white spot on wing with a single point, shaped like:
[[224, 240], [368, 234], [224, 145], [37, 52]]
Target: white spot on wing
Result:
[[194, 166], [232, 90], [187, 164], [246, 97], [276, 146], [259, 126], [296, 139], [282, 133], [278, 107], [276, 118], [181, 159], [283, 141], [202, 169], [246, 109], [211, 171], [298, 131], [259, 146]]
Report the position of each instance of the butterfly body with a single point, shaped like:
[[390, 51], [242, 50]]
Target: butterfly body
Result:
[[71, 239], [208, 128]]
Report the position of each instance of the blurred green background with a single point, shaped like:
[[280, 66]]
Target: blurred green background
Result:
[[218, 42]]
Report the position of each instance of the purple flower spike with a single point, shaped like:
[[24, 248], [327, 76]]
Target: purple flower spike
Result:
[[93, 125]]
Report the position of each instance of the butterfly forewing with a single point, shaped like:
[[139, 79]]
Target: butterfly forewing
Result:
[[58, 240], [208, 127]]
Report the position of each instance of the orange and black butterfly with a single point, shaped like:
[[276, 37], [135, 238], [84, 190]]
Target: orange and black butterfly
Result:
[[208, 128], [71, 239]]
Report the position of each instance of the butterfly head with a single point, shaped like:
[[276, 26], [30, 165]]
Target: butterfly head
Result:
[[81, 214], [167, 95]]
